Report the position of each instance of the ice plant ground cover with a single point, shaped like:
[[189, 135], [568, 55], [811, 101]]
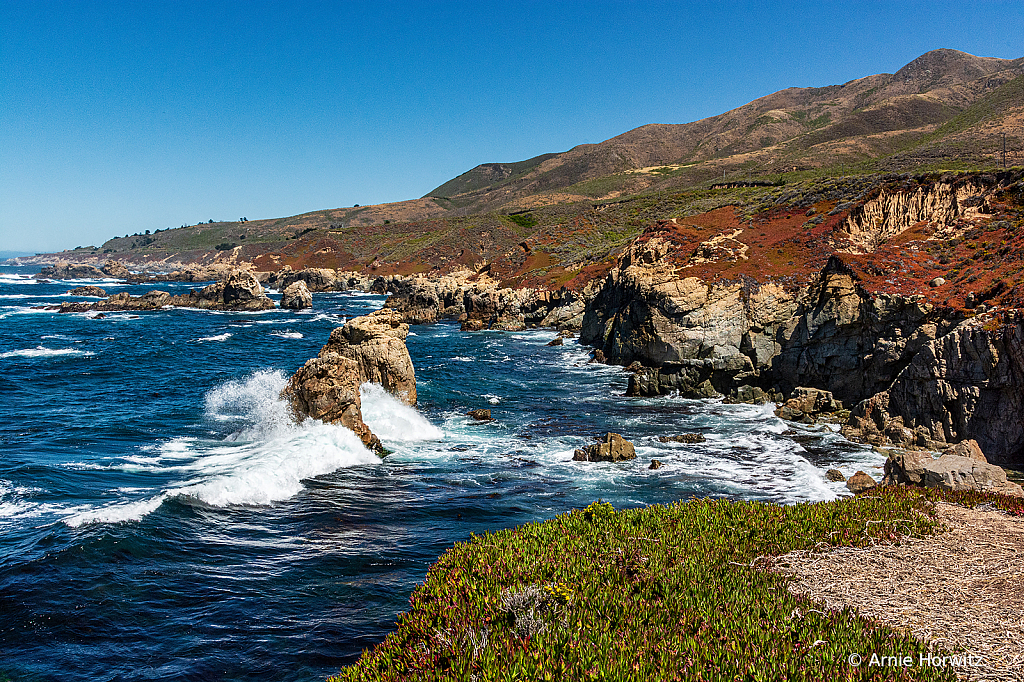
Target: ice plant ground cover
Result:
[[673, 592]]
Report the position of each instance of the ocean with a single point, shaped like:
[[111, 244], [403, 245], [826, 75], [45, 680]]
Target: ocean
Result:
[[163, 518]]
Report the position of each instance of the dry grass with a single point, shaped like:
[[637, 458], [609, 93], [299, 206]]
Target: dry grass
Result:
[[961, 589]]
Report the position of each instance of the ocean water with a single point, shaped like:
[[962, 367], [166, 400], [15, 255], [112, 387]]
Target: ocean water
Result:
[[163, 518]]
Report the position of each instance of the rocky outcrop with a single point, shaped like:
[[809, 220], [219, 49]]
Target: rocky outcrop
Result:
[[808, 405], [967, 384], [241, 291], [88, 291], [367, 349], [116, 269], [376, 342], [296, 296], [951, 471], [692, 337], [919, 375], [327, 388], [479, 302], [614, 448], [65, 270]]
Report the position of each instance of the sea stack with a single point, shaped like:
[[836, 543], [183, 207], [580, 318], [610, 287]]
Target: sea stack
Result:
[[367, 349]]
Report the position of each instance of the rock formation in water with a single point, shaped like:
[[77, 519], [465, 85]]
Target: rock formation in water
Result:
[[480, 302], [614, 448], [296, 296], [240, 291], [367, 349], [65, 270], [88, 291]]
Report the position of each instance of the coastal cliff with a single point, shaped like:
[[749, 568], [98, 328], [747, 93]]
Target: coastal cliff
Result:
[[922, 361]]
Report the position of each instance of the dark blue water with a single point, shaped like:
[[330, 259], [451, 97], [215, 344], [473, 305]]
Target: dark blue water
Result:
[[162, 518]]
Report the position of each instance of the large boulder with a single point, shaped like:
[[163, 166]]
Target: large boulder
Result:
[[327, 388], [948, 472], [296, 296], [614, 448], [377, 343], [367, 349]]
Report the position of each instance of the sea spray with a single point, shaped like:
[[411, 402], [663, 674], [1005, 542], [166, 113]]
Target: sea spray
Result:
[[392, 420]]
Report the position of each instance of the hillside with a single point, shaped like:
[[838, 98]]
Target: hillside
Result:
[[944, 110]]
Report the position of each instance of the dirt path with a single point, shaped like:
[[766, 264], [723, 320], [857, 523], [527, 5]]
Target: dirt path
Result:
[[962, 589]]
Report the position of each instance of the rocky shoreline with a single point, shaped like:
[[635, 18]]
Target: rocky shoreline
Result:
[[913, 364]]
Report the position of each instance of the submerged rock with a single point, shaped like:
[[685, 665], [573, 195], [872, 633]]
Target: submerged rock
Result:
[[88, 291], [683, 438], [615, 448]]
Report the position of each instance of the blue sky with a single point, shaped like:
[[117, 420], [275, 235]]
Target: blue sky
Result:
[[118, 117]]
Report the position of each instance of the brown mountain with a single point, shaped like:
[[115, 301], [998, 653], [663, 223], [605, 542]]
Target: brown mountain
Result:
[[794, 128], [944, 110]]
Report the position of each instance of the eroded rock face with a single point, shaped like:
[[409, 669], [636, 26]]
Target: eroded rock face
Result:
[[615, 448], [479, 302], [967, 384], [692, 337], [327, 388], [948, 472], [367, 349], [296, 296]]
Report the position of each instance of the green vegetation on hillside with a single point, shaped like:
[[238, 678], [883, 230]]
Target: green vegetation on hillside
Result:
[[676, 592]]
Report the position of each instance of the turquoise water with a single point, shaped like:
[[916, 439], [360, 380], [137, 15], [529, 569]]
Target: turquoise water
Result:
[[161, 517]]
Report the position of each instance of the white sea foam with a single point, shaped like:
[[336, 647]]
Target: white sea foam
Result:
[[42, 352], [264, 461], [116, 513], [392, 420], [287, 335], [216, 337], [8, 278]]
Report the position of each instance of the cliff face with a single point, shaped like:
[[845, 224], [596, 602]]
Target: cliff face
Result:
[[847, 341], [922, 361], [694, 337], [967, 384], [894, 212]]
